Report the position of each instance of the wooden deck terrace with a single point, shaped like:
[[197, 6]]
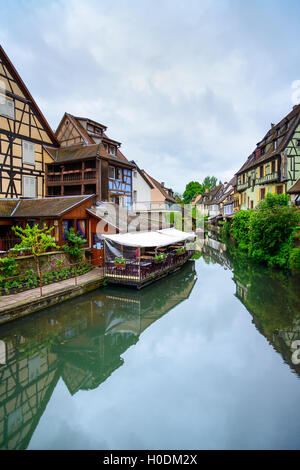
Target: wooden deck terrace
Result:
[[146, 271]]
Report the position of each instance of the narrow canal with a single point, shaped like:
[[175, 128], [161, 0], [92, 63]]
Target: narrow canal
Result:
[[204, 359]]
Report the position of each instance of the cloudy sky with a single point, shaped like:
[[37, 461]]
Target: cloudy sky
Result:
[[188, 87]]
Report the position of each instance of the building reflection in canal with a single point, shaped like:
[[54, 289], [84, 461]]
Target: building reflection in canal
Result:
[[81, 341], [272, 297]]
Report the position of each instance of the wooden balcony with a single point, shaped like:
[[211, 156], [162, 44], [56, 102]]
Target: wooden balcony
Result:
[[75, 176]]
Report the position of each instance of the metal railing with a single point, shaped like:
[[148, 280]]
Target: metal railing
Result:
[[145, 270], [32, 279]]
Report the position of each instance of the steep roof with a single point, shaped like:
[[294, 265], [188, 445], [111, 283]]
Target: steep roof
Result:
[[40, 207], [82, 152], [295, 188], [26, 92], [141, 172], [162, 189], [280, 133], [89, 139]]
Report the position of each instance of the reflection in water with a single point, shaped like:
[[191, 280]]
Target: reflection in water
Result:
[[80, 341], [271, 296]]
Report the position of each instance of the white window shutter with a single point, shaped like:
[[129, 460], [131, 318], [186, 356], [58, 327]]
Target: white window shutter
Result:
[[7, 107], [28, 152], [29, 186]]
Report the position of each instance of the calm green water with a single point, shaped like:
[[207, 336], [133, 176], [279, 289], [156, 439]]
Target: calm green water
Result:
[[203, 359]]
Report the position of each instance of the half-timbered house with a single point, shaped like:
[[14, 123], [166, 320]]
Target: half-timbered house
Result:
[[23, 133], [274, 166], [88, 162]]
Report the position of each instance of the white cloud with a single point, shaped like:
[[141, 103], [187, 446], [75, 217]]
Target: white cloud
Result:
[[187, 94]]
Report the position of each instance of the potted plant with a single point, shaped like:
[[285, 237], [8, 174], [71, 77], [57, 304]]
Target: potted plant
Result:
[[180, 251], [120, 263], [160, 258]]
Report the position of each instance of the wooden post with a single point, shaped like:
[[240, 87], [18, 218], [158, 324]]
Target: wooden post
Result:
[[139, 264], [75, 274], [104, 258]]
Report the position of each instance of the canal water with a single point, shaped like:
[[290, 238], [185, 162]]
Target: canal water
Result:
[[204, 359]]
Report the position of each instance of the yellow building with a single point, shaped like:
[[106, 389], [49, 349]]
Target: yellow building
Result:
[[274, 166], [23, 133]]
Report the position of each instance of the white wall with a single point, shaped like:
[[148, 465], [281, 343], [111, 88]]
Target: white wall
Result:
[[143, 201]]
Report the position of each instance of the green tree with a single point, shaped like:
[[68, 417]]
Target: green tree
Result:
[[271, 234], [192, 189], [209, 182], [35, 239], [74, 245], [178, 198]]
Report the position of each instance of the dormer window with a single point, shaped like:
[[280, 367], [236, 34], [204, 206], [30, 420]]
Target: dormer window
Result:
[[112, 150], [98, 131]]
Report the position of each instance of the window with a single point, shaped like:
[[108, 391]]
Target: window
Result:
[[97, 242], [7, 107], [273, 166], [119, 174], [66, 225], [262, 193], [112, 150], [97, 130], [134, 196], [111, 172], [298, 143], [279, 189], [32, 222], [261, 171], [28, 152], [106, 147], [81, 227], [29, 186]]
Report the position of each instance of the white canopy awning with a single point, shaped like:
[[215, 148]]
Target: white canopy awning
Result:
[[164, 237]]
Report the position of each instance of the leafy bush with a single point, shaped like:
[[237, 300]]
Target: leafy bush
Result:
[[267, 233], [8, 267], [274, 200], [271, 232], [294, 259], [241, 229], [74, 244]]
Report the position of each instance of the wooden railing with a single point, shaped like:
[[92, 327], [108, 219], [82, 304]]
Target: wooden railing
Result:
[[7, 244]]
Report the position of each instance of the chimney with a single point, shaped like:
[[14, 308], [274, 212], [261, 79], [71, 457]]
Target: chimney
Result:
[[162, 184]]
